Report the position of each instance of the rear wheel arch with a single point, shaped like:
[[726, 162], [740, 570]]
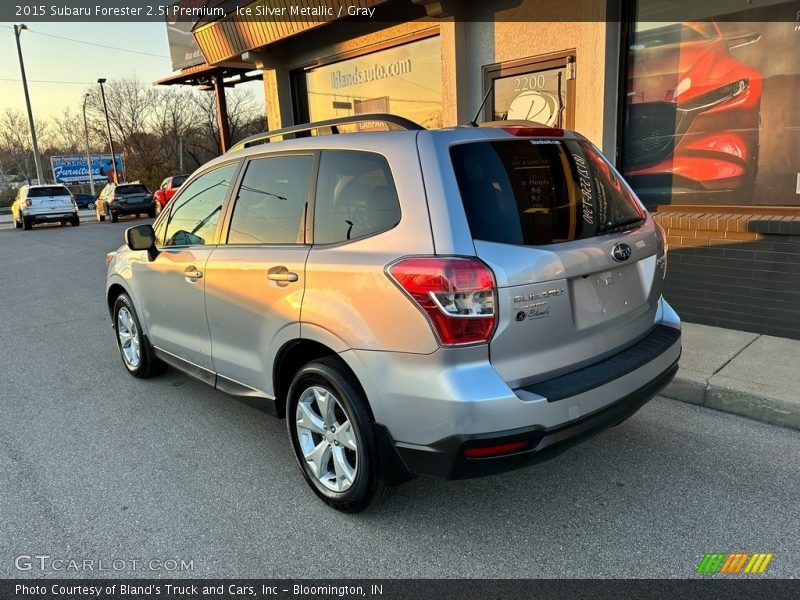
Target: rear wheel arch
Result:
[[292, 357]]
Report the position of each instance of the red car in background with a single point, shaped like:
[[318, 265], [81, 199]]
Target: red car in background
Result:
[[167, 190], [692, 113]]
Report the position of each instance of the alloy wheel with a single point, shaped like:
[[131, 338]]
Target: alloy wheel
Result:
[[327, 439], [128, 335]]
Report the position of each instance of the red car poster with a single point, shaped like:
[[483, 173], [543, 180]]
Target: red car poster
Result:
[[710, 112]]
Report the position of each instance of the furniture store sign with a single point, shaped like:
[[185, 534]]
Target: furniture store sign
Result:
[[75, 169]]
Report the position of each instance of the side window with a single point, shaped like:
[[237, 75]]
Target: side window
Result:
[[356, 196], [271, 201], [194, 217]]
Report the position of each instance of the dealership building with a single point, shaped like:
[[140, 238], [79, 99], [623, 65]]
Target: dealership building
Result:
[[694, 102]]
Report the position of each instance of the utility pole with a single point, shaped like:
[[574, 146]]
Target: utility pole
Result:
[[101, 81], [180, 154], [86, 132], [18, 29]]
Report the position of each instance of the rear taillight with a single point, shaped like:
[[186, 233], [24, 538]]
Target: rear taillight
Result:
[[456, 294], [116, 198], [28, 202]]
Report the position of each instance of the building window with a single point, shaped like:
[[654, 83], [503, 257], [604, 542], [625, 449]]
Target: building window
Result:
[[539, 89], [709, 109], [404, 80]]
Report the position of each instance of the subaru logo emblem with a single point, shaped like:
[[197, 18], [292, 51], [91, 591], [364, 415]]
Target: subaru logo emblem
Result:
[[621, 252]]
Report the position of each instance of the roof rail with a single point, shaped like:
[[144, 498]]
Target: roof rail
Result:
[[262, 138]]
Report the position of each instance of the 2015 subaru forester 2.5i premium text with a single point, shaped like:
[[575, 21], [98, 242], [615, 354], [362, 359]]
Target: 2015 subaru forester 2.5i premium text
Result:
[[455, 303]]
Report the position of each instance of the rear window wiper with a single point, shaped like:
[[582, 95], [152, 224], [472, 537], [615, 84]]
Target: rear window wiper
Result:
[[612, 225]]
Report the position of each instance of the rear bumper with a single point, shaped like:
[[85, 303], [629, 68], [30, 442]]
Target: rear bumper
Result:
[[132, 209], [446, 457], [428, 408], [50, 217]]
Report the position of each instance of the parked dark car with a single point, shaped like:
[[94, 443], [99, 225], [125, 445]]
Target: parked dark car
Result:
[[121, 199], [85, 200]]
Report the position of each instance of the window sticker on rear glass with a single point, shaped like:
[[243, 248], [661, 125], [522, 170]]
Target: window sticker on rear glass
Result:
[[585, 183], [537, 142], [602, 201]]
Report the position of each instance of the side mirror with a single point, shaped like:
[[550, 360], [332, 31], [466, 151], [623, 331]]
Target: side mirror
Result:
[[142, 237]]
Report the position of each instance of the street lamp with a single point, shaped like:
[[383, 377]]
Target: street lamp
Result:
[[101, 81], [86, 132], [18, 29]]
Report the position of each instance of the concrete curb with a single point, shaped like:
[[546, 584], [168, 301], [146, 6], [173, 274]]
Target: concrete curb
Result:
[[740, 373]]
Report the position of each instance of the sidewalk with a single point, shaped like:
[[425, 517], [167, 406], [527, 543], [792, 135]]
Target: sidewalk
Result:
[[748, 374]]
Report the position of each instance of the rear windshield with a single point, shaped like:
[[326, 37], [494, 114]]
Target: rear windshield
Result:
[[541, 191], [50, 190], [130, 189]]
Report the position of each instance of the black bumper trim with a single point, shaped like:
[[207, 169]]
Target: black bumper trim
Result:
[[132, 209], [446, 458], [616, 366]]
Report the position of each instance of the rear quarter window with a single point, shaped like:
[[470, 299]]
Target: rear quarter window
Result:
[[540, 191], [356, 196]]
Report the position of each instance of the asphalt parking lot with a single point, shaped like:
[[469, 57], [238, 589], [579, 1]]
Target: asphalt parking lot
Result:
[[95, 464]]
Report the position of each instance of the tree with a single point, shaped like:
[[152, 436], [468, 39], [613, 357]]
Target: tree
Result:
[[147, 124]]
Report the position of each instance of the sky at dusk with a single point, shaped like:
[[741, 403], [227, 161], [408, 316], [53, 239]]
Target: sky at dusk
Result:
[[51, 59]]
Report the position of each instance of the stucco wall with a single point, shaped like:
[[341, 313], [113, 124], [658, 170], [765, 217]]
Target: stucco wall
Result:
[[487, 37], [501, 36]]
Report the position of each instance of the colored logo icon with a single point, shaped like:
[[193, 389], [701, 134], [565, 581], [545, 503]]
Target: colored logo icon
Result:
[[734, 562]]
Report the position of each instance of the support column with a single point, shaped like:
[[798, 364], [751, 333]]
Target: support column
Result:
[[222, 114], [277, 87]]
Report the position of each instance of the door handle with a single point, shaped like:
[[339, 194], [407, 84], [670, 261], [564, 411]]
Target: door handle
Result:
[[285, 276], [191, 274]]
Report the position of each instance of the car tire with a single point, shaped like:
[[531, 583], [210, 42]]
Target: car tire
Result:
[[27, 224], [342, 468], [136, 353], [63, 223], [75, 221], [114, 217]]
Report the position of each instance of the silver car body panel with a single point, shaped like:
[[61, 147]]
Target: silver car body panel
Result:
[[251, 317]]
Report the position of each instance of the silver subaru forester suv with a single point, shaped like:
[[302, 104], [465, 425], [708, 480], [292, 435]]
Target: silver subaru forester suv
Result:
[[453, 302]]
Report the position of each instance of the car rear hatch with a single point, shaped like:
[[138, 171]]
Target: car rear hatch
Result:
[[132, 195], [50, 199], [573, 252]]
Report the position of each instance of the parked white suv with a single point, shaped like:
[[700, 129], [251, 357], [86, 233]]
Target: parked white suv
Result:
[[44, 204], [454, 303]]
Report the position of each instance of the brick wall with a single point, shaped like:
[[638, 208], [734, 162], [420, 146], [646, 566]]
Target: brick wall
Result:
[[734, 268]]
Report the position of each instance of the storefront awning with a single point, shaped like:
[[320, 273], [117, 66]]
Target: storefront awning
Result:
[[232, 36], [204, 75]]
